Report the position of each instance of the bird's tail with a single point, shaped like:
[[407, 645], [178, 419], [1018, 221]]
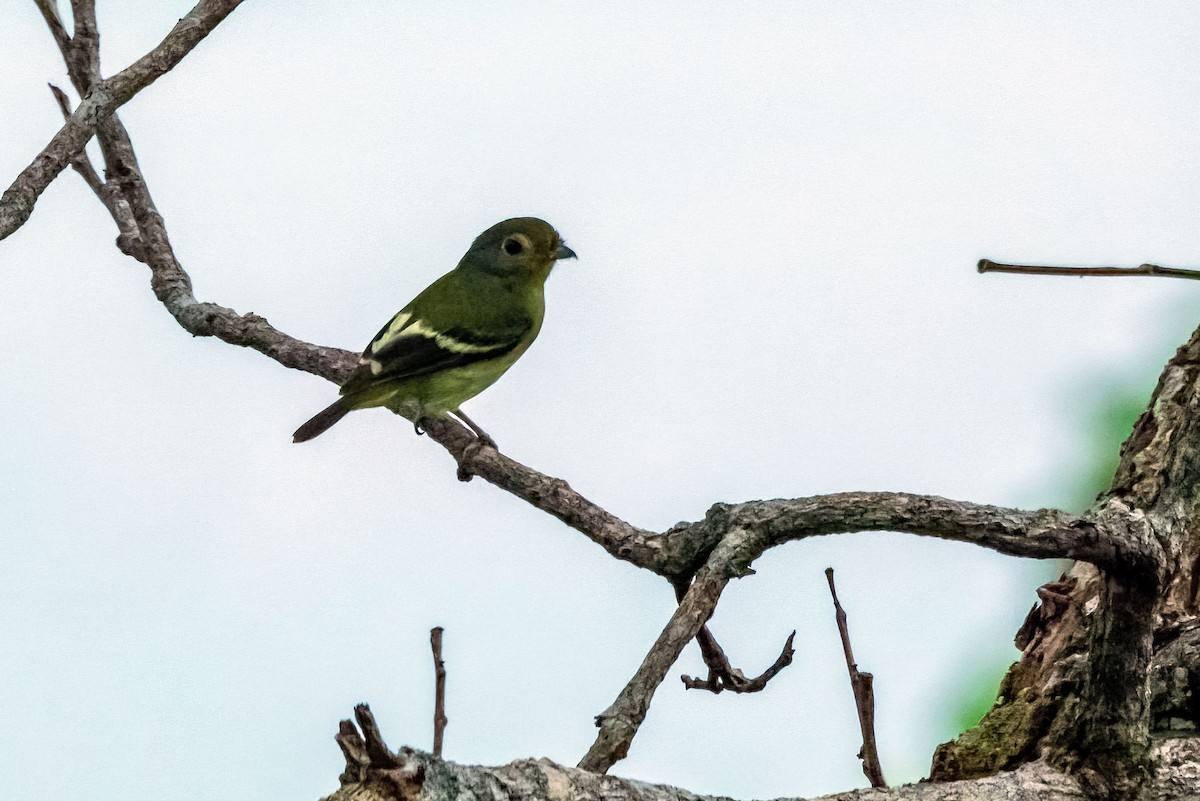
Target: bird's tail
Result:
[[323, 420]]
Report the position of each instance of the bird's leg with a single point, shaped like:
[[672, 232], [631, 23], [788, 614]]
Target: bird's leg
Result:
[[473, 447], [417, 427], [484, 439]]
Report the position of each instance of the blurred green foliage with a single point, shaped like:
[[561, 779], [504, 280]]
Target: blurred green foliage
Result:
[[981, 696], [1107, 413], [1109, 421], [1104, 409]]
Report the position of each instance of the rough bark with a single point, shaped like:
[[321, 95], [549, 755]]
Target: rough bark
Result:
[[374, 773], [105, 97], [1097, 630]]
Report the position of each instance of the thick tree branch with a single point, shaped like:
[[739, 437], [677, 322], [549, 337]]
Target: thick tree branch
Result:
[[415, 776], [1114, 537], [85, 43], [17, 202], [619, 723]]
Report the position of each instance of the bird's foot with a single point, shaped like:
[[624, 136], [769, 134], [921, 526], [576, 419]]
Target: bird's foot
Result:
[[418, 428], [470, 452], [482, 437]]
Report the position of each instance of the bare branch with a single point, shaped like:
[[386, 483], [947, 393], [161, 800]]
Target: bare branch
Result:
[[354, 750], [989, 266], [54, 22], [619, 723], [84, 57], [554, 496], [1110, 537], [84, 14], [80, 161], [439, 691], [17, 202], [863, 687], [675, 555], [376, 749], [144, 237], [724, 676], [416, 776]]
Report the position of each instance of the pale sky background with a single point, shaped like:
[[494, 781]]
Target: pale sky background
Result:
[[778, 208]]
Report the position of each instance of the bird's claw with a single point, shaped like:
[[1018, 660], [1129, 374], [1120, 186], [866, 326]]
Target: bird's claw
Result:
[[470, 451]]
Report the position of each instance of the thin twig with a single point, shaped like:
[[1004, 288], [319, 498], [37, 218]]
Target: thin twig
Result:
[[989, 266], [864, 695], [17, 202], [439, 692], [82, 57], [49, 11], [80, 161], [722, 675]]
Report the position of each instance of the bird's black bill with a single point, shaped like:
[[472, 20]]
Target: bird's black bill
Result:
[[564, 252]]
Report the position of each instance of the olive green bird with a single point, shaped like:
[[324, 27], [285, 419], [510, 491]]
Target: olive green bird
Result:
[[459, 335]]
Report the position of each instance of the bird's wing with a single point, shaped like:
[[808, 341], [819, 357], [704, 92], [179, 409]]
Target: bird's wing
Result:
[[408, 347]]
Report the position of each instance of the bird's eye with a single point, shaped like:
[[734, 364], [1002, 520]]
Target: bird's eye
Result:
[[512, 246]]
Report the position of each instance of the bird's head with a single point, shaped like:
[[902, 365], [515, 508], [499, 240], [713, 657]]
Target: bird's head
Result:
[[521, 247]]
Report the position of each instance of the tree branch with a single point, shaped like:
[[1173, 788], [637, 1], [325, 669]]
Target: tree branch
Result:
[[17, 202], [722, 675], [415, 776], [82, 57], [863, 686], [80, 161], [54, 22], [555, 497], [149, 242], [619, 723], [439, 691], [85, 44], [1111, 537], [989, 266]]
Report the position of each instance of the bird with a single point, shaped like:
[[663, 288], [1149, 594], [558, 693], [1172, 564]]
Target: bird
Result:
[[459, 335]]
